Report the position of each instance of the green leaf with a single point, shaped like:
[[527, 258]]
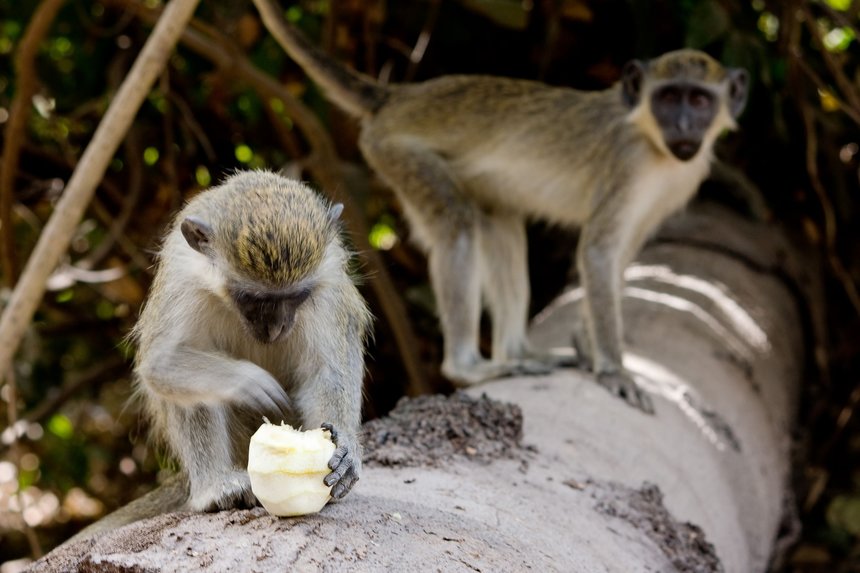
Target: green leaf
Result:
[[61, 426], [839, 4]]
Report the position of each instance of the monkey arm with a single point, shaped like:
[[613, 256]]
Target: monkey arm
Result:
[[329, 386], [600, 259], [187, 376], [190, 391]]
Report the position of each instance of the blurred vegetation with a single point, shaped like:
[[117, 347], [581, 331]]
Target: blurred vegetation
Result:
[[72, 446]]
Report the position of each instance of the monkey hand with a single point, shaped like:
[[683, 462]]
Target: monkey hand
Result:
[[264, 394], [344, 463], [621, 383]]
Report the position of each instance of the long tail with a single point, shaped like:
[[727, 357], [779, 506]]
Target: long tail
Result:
[[355, 93], [169, 496]]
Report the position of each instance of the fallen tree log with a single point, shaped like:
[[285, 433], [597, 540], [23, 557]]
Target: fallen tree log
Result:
[[552, 473]]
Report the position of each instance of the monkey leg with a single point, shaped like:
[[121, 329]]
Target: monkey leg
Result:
[[581, 342], [199, 437], [444, 220], [455, 270], [505, 285]]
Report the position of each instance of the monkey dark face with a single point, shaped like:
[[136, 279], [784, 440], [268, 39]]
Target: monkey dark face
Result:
[[269, 317], [684, 112]]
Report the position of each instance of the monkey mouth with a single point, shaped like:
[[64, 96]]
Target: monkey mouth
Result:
[[684, 149], [267, 334]]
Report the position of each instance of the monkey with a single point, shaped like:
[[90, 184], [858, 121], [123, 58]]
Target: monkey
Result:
[[472, 158], [252, 313]]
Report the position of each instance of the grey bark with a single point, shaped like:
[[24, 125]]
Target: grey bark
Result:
[[713, 332]]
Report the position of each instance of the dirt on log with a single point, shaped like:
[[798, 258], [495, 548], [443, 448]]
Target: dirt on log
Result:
[[552, 473]]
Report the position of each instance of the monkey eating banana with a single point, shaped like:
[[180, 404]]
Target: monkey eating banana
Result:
[[471, 158], [252, 313]]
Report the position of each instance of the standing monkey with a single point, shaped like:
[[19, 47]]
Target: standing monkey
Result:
[[471, 158]]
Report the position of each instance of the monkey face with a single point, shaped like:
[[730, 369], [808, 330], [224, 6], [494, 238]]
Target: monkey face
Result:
[[268, 316], [684, 112]]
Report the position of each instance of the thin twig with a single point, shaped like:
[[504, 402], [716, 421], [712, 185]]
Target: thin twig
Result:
[[16, 129], [187, 117], [827, 209], [848, 89], [822, 85], [129, 205], [74, 383], [420, 48], [132, 152], [61, 227]]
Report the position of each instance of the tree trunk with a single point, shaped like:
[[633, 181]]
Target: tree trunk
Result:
[[714, 333]]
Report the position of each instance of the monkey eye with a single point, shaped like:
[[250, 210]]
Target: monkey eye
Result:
[[700, 99], [670, 95]]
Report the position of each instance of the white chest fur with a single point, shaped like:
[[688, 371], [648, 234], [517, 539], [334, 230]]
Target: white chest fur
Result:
[[658, 190]]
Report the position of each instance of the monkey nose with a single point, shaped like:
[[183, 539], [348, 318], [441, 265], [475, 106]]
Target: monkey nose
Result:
[[275, 331]]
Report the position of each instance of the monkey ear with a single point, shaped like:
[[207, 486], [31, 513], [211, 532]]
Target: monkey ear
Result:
[[198, 234], [631, 82], [335, 211], [738, 91]]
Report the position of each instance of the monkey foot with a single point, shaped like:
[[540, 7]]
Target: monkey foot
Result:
[[553, 360], [622, 385], [226, 491], [465, 376], [345, 466]]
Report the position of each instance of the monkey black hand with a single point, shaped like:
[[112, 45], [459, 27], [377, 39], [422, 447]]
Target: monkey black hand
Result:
[[344, 466], [622, 385]]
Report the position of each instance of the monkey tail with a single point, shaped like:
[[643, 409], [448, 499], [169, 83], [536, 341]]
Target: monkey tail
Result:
[[352, 91], [170, 496]]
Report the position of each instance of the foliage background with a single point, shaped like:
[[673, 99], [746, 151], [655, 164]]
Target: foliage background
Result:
[[74, 448]]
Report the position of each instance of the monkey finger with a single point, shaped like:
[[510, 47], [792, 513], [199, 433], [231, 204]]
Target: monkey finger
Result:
[[331, 430], [622, 385], [641, 400], [636, 398], [342, 487], [336, 475], [337, 457]]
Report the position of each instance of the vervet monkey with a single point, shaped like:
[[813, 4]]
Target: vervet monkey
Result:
[[471, 158], [252, 313]]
